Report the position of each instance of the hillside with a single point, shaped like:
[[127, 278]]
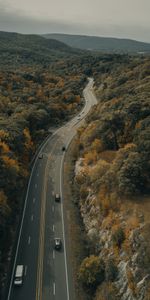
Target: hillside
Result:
[[100, 43], [19, 49], [30, 41], [111, 182]]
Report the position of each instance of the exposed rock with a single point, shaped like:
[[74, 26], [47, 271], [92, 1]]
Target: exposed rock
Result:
[[122, 281], [143, 281], [93, 234], [132, 279], [79, 166]]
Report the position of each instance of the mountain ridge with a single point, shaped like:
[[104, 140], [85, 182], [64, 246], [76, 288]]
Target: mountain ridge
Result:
[[108, 44], [22, 38], [16, 48]]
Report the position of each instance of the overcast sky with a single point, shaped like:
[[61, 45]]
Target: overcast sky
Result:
[[114, 18]]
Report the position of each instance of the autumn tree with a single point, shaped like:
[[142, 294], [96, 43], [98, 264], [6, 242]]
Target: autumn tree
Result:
[[92, 271]]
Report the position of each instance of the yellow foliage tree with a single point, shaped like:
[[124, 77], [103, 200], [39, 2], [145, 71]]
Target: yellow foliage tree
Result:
[[97, 145], [4, 147], [11, 163], [3, 134], [4, 208], [90, 157], [28, 143]]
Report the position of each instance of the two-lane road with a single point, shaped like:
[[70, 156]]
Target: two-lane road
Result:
[[45, 269]]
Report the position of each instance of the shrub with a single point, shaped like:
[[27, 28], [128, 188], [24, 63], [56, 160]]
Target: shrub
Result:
[[118, 237], [83, 192], [106, 292], [111, 270], [92, 271]]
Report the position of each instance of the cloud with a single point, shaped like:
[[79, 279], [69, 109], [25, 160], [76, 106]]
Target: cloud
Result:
[[17, 20]]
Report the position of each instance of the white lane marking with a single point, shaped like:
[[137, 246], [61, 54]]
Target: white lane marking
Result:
[[29, 240], [53, 228], [63, 225], [54, 288], [25, 271], [53, 254], [33, 200], [53, 208], [36, 185], [32, 218]]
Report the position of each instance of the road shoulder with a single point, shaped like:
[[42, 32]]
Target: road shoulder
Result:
[[74, 230]]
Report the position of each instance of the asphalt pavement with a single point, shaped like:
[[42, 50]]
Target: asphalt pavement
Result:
[[46, 269]]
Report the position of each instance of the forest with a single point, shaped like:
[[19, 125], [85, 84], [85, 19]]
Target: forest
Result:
[[103, 44], [112, 181], [40, 88], [41, 84]]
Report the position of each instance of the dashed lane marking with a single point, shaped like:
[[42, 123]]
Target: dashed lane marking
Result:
[[29, 240], [25, 271], [54, 288]]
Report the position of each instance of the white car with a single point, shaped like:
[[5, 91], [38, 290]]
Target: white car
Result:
[[18, 280]]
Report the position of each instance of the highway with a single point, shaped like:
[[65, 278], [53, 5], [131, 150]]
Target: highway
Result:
[[45, 269]]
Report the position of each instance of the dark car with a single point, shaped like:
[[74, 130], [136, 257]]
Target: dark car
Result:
[[63, 148], [57, 243], [57, 197]]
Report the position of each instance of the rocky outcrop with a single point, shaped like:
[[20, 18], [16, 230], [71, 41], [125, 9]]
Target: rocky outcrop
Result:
[[130, 258]]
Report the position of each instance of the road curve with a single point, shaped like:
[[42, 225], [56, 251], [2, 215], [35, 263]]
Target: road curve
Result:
[[45, 270]]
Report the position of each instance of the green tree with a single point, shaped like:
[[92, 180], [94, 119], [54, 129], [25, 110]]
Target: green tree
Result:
[[92, 271]]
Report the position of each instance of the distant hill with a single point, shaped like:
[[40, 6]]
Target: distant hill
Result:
[[30, 41], [100, 43], [18, 48]]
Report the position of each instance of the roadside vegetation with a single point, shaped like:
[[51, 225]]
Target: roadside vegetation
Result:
[[112, 177]]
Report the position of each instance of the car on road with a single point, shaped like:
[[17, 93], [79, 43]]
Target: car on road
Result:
[[63, 148], [57, 197], [40, 155], [19, 275], [78, 118], [57, 243]]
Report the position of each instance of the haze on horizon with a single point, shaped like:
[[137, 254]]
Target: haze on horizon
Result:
[[110, 18]]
